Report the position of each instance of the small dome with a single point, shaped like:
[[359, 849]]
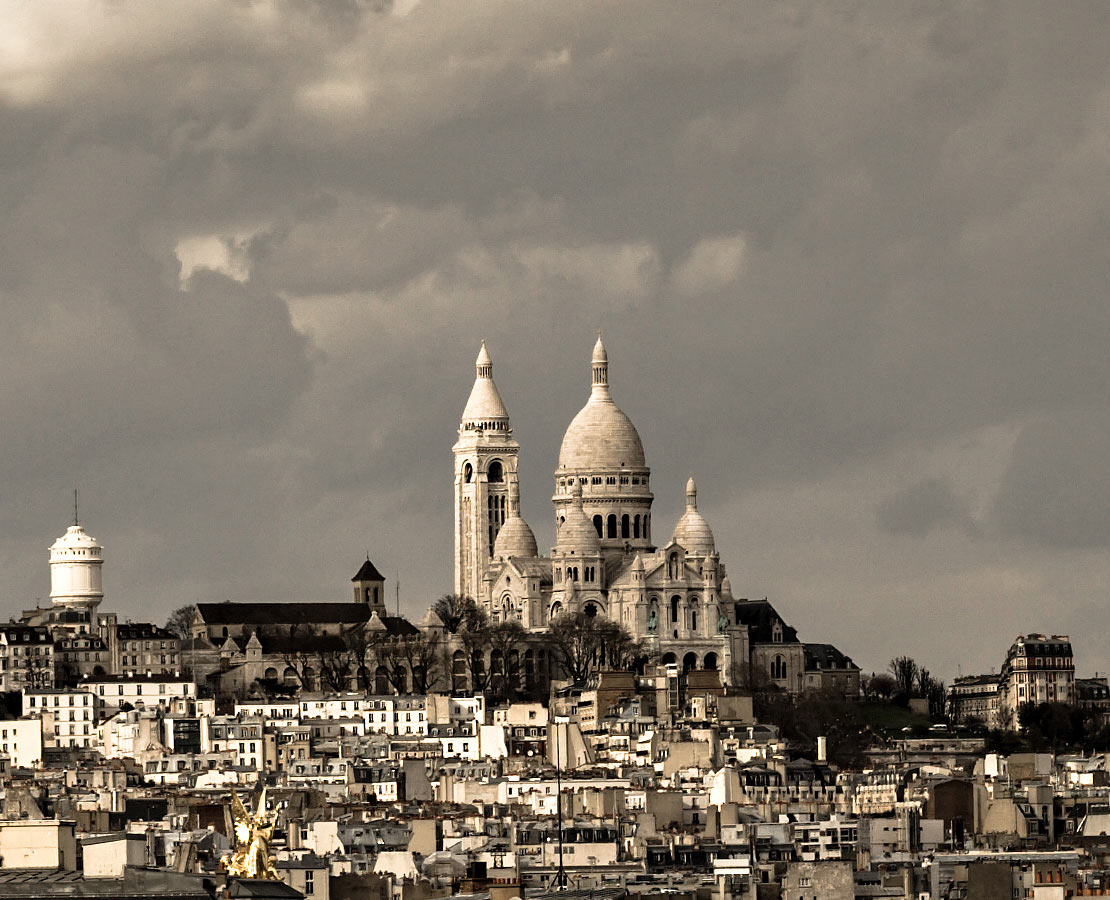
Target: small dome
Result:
[[515, 538], [726, 587], [692, 531], [601, 436], [638, 565], [577, 532]]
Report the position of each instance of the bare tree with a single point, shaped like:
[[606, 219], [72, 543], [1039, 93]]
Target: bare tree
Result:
[[504, 640], [475, 648], [296, 650], [458, 613], [584, 644], [905, 672], [359, 642], [415, 657]]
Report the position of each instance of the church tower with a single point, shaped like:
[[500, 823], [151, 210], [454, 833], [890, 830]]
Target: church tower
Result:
[[485, 466]]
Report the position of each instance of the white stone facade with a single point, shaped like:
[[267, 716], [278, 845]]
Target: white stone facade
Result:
[[674, 594]]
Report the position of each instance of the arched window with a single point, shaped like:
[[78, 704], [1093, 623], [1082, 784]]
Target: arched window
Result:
[[556, 607], [694, 619], [591, 611], [689, 661], [271, 674], [669, 659], [468, 472], [710, 661], [635, 526], [624, 527], [778, 668], [674, 608], [495, 474], [599, 525], [611, 526]]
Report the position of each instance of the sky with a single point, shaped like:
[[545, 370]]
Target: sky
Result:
[[850, 261]]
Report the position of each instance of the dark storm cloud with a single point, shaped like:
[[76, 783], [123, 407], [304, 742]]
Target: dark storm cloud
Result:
[[829, 245]]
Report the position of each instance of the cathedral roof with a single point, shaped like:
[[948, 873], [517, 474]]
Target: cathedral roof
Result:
[[692, 531], [485, 401], [601, 436]]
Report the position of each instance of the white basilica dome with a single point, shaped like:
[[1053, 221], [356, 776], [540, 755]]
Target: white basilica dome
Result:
[[601, 436]]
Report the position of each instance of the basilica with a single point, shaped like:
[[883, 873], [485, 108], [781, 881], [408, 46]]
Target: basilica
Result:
[[672, 591]]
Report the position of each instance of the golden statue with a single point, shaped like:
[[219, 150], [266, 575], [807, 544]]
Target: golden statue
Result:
[[251, 856]]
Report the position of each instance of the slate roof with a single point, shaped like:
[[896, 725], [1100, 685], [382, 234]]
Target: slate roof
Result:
[[368, 572], [140, 630], [536, 567], [826, 656], [347, 613], [759, 616]]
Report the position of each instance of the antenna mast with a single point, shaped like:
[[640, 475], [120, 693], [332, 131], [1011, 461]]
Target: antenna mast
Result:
[[76, 521]]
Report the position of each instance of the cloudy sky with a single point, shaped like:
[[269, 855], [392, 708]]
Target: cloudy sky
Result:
[[850, 261]]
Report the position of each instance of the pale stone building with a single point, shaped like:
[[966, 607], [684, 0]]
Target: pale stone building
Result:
[[673, 593]]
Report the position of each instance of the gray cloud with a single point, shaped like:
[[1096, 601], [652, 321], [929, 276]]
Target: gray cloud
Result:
[[821, 242], [1056, 489], [922, 507]]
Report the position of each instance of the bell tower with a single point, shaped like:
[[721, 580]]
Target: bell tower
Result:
[[485, 466]]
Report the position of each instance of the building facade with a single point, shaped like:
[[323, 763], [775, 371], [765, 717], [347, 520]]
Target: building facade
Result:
[[1038, 669]]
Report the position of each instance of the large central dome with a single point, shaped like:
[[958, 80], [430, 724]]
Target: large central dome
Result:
[[601, 436]]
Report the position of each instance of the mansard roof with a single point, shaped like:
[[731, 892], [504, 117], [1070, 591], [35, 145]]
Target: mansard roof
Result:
[[826, 656], [282, 613], [760, 617]]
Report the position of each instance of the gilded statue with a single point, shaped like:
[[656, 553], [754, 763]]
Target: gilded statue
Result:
[[251, 857]]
